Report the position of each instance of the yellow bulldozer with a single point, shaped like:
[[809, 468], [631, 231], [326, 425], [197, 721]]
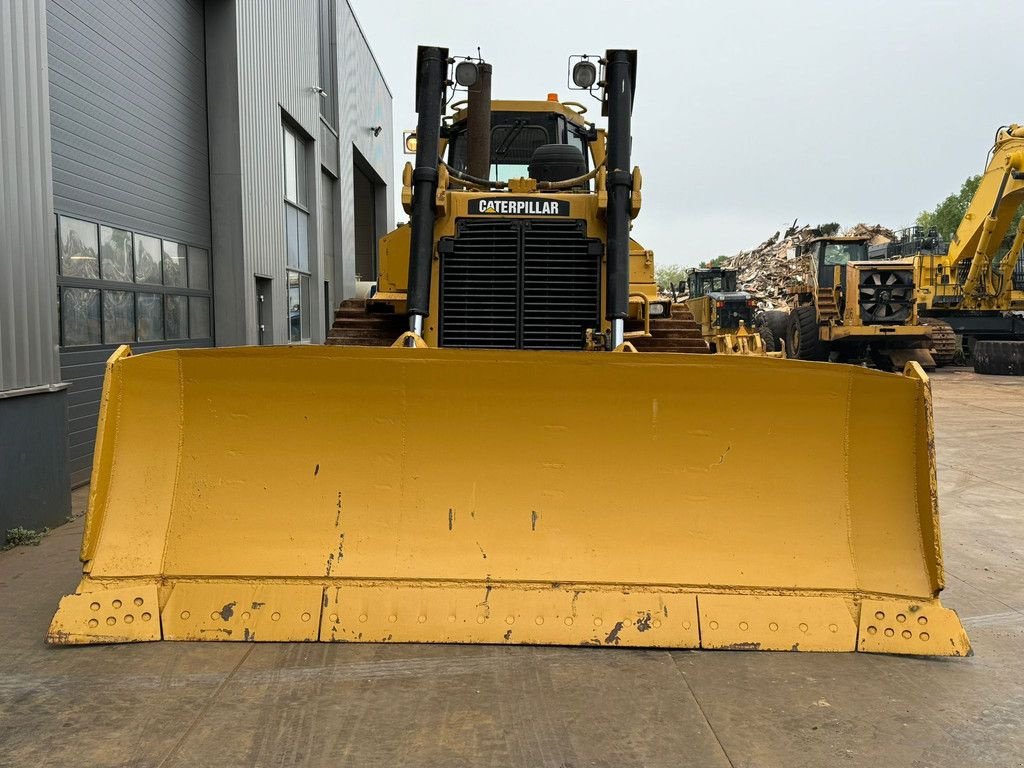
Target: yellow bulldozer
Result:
[[726, 315], [511, 470], [856, 309], [971, 289]]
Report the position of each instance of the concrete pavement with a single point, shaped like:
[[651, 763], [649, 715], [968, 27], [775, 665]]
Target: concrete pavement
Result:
[[195, 704]]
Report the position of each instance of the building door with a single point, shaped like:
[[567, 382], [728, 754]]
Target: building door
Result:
[[365, 212], [264, 311]]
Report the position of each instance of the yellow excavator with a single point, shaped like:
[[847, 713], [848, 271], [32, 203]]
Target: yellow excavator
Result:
[[511, 470], [967, 287]]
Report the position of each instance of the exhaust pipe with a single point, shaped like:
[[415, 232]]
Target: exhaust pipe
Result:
[[620, 77], [431, 68], [478, 124]]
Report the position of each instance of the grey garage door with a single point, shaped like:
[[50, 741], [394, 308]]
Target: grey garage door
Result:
[[130, 187]]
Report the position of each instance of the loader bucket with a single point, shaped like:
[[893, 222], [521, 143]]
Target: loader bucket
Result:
[[439, 495]]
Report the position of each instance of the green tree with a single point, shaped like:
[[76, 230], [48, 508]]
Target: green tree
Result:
[[947, 214], [718, 261], [670, 274]]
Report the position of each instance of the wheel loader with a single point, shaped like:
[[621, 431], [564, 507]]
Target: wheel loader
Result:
[[855, 308], [726, 315], [510, 469], [970, 287]]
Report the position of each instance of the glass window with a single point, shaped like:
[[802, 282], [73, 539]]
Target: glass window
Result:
[[843, 253], [291, 234], [199, 317], [174, 265], [176, 317], [147, 259], [304, 304], [150, 316], [294, 167], [80, 316], [296, 231], [198, 268], [294, 308], [116, 254], [298, 307], [118, 317], [79, 251]]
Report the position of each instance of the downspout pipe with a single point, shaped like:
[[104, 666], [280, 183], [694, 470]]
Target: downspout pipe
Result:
[[619, 78], [431, 69]]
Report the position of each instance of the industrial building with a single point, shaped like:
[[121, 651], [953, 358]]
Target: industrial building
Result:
[[173, 173]]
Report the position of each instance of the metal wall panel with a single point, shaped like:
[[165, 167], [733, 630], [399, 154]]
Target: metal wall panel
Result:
[[128, 114], [28, 314], [365, 103]]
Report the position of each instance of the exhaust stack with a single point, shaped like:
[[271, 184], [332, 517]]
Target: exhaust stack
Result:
[[620, 79], [478, 124]]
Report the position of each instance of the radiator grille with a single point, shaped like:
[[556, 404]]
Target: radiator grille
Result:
[[519, 284]]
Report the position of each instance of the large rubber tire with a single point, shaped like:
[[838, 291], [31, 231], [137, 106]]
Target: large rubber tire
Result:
[[999, 358], [768, 339], [777, 322], [802, 341]]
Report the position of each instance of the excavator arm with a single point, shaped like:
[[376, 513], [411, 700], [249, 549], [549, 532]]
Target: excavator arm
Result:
[[988, 218]]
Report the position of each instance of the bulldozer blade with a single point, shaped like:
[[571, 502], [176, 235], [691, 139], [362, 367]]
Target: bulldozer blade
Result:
[[436, 495]]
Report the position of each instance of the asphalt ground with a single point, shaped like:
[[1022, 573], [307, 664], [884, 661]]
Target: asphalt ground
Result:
[[237, 704]]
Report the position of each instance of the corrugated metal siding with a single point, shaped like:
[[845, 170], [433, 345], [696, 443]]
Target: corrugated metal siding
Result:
[[28, 329], [130, 148], [83, 369], [277, 70], [128, 114]]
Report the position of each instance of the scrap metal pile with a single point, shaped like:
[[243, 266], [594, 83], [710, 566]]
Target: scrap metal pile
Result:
[[772, 268]]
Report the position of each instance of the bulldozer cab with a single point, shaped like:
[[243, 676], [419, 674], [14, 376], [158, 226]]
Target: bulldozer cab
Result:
[[716, 280], [518, 129]]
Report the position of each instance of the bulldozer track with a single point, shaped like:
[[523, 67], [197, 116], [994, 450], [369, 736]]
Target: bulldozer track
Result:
[[944, 346], [357, 324], [678, 332]]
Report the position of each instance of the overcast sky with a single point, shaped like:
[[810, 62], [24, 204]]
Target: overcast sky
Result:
[[751, 114]]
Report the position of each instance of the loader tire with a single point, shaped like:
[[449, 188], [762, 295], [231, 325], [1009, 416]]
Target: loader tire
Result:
[[768, 339], [802, 341], [777, 322], [944, 345], [999, 358]]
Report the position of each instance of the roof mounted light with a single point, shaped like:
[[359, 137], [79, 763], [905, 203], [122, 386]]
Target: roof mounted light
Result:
[[584, 74], [466, 73]]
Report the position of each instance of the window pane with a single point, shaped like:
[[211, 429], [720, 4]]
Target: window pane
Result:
[[294, 308], [303, 247], [176, 317], [174, 264], [147, 259], [78, 249], [304, 303], [198, 268], [118, 317], [300, 171], [150, 312], [80, 316], [116, 254], [199, 317], [289, 166], [291, 233]]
